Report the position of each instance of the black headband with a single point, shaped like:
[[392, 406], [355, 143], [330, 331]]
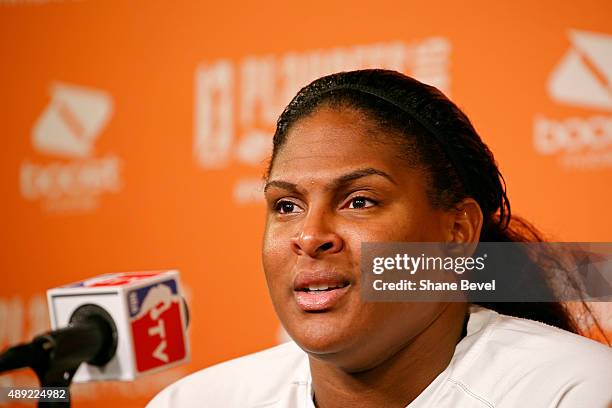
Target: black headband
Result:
[[435, 132]]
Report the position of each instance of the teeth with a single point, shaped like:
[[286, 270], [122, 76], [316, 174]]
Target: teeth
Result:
[[322, 287]]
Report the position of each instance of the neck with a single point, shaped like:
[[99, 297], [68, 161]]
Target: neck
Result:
[[397, 381]]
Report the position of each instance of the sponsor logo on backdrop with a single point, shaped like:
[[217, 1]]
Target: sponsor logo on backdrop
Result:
[[584, 75], [75, 176], [237, 103], [583, 79]]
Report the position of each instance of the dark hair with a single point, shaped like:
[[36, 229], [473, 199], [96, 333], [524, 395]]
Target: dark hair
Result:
[[437, 137]]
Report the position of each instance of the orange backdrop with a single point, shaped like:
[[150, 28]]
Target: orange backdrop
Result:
[[136, 132]]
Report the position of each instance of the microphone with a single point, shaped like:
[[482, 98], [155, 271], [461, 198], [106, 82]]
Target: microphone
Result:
[[112, 327], [91, 336]]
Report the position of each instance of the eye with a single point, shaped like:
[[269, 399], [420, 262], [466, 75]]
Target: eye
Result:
[[286, 207], [361, 202]]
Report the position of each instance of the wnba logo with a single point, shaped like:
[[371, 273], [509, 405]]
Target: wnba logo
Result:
[[583, 78]]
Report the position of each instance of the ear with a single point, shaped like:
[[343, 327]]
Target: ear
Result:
[[465, 222]]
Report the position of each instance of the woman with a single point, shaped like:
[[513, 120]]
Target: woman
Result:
[[375, 156]]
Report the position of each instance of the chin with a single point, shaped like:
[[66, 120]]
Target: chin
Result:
[[320, 335]]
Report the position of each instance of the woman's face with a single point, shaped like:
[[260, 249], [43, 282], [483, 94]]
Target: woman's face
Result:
[[337, 182]]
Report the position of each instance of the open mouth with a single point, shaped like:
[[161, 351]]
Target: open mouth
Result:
[[320, 297], [322, 287]]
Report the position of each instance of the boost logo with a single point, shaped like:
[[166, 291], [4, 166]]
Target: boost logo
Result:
[[583, 78], [584, 75], [67, 129]]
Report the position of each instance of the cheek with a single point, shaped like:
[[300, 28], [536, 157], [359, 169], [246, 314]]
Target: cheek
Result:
[[412, 224], [386, 229], [276, 251], [389, 229]]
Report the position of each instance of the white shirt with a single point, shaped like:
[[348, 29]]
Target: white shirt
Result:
[[503, 362]]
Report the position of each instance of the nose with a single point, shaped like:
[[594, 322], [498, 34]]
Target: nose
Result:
[[316, 237]]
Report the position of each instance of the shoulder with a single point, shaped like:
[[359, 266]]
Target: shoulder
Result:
[[258, 378], [515, 358], [550, 345]]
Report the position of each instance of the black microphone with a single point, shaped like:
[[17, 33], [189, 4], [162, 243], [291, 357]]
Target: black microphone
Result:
[[91, 336]]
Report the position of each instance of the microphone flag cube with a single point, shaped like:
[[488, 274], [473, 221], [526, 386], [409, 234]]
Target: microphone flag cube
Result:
[[148, 311]]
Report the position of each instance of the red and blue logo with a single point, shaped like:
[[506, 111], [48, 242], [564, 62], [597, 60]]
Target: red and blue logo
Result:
[[157, 326]]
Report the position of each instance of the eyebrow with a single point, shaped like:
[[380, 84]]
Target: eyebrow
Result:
[[337, 183]]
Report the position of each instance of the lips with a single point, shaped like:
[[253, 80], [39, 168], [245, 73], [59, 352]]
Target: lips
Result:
[[319, 290]]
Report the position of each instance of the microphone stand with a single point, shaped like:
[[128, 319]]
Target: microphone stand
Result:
[[55, 356]]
